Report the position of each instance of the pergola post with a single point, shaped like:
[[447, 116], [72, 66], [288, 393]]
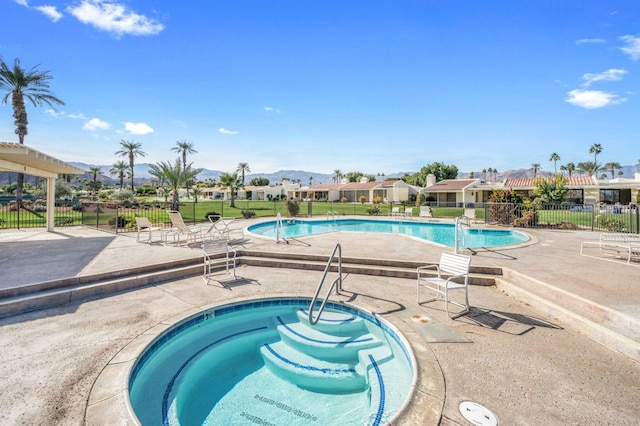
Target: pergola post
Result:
[[51, 203]]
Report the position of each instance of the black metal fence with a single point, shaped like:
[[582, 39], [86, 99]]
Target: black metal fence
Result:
[[604, 217], [120, 216]]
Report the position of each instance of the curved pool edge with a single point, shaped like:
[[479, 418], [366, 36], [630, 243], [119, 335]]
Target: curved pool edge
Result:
[[109, 403], [445, 221]]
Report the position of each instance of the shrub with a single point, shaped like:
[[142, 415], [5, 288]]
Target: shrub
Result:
[[343, 200], [215, 215], [373, 211], [362, 199], [293, 208], [120, 220], [248, 214]]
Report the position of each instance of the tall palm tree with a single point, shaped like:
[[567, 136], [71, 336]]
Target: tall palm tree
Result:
[[131, 150], [175, 177], [484, 174], [183, 148], [233, 182], [337, 176], [595, 149], [119, 169], [612, 167], [19, 84], [535, 167], [569, 168], [242, 169], [490, 171], [555, 158]]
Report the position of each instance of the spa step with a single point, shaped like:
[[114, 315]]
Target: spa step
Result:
[[334, 323], [322, 345], [311, 373]]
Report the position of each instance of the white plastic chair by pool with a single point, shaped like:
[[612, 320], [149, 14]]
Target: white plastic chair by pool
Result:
[[455, 266]]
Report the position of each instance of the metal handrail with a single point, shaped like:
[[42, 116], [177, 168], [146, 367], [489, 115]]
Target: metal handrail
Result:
[[278, 227], [459, 234], [337, 281]]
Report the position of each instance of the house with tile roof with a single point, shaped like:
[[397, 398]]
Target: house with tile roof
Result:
[[582, 190]]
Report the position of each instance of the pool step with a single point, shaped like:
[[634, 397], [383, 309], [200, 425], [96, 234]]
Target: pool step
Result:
[[613, 329], [334, 323], [323, 345], [309, 372], [27, 298]]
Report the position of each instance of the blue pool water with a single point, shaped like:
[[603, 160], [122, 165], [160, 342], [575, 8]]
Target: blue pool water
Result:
[[439, 233], [261, 362]]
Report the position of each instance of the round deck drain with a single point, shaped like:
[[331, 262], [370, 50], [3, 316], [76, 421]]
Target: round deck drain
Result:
[[420, 318], [477, 414]]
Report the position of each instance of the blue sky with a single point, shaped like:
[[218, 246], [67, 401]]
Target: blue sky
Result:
[[318, 85]]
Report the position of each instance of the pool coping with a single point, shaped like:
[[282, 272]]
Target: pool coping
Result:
[[531, 239], [108, 401]]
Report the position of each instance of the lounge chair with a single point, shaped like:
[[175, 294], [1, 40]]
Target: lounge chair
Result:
[[456, 267], [425, 211], [178, 228], [144, 225], [408, 211], [222, 227], [615, 244], [395, 211], [218, 254]]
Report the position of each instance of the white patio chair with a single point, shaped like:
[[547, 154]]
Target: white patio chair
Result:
[[469, 216], [144, 225], [178, 228], [395, 211], [218, 255], [452, 267], [425, 211], [408, 211]]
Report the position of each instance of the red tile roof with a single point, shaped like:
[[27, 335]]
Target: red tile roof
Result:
[[530, 182], [326, 186]]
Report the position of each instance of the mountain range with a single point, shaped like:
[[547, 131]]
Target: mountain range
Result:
[[142, 176]]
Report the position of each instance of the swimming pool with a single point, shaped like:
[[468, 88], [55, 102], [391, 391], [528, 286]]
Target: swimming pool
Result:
[[439, 233], [260, 362]]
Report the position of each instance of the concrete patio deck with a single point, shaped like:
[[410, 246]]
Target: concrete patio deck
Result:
[[525, 366]]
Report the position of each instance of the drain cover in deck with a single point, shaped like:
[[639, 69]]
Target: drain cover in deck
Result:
[[476, 414]]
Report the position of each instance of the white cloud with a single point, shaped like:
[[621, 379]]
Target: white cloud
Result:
[[612, 74], [227, 132], [592, 99], [22, 3], [54, 113], [590, 41], [51, 12], [137, 128], [114, 18], [633, 46], [79, 116], [96, 124], [272, 109]]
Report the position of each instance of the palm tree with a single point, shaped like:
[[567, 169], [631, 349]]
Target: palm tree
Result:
[[233, 182], [595, 149], [184, 148], [612, 167], [555, 158], [484, 174], [310, 180], [175, 175], [569, 168], [589, 168], [490, 170], [535, 167], [20, 84], [131, 149], [242, 169], [119, 169], [94, 170], [337, 175]]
